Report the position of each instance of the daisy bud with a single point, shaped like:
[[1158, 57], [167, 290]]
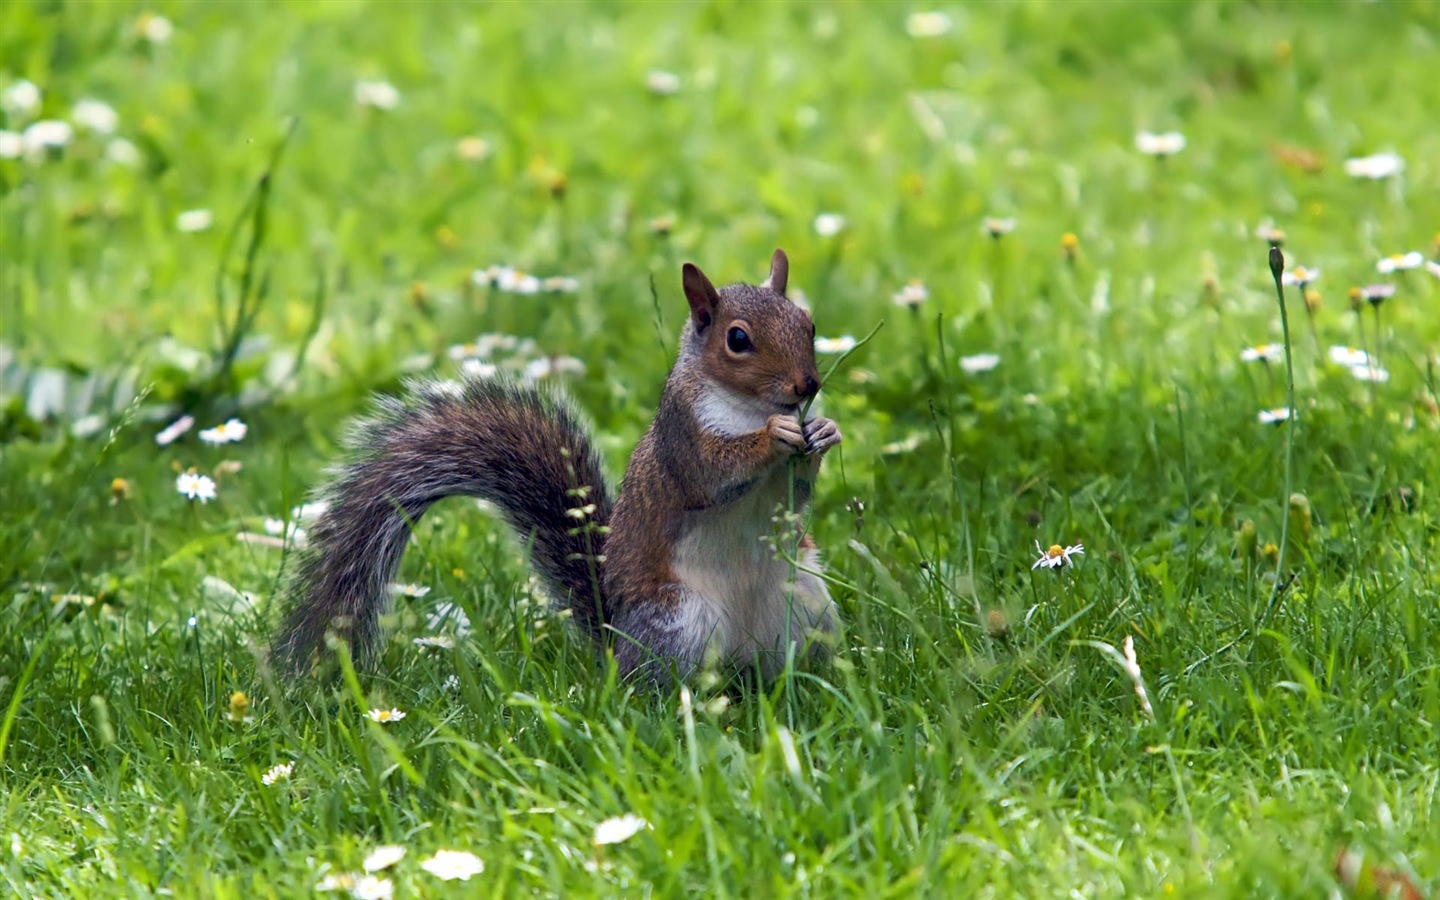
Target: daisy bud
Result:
[[1070, 245], [996, 625], [119, 491], [1357, 298], [239, 707], [1277, 263], [1312, 301], [1246, 541], [1302, 520]]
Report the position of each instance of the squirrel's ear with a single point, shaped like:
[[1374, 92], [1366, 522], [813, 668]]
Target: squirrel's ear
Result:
[[703, 297], [779, 273]]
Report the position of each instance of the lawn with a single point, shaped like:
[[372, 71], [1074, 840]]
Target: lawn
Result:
[[276, 210]]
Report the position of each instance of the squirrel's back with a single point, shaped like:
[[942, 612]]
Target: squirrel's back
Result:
[[524, 450]]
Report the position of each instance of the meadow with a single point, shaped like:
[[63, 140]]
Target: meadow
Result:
[[1059, 218]]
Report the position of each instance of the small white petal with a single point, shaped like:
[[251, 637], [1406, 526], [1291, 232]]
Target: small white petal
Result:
[[980, 362], [384, 857], [453, 865], [96, 116], [662, 82], [377, 94], [1167, 144], [1379, 165], [619, 828], [192, 221], [928, 24], [829, 224], [843, 344]]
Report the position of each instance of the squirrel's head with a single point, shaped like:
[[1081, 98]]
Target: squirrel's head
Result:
[[751, 339]]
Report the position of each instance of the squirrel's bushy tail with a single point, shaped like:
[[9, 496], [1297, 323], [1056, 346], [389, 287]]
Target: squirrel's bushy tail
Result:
[[519, 448]]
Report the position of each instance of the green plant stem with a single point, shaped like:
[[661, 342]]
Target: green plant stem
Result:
[[1277, 266]]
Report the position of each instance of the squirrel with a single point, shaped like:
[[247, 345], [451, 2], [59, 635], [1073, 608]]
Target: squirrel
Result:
[[674, 572]]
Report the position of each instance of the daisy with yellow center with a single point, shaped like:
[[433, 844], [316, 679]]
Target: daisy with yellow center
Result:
[[912, 294], [1056, 556], [196, 486], [385, 716], [277, 773], [1299, 277], [1270, 353], [230, 431], [1399, 262]]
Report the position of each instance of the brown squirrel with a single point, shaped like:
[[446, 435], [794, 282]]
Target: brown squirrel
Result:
[[675, 570]]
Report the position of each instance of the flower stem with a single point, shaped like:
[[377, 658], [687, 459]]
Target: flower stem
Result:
[[1277, 267]]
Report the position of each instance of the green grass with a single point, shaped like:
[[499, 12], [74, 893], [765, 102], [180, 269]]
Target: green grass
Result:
[[968, 740]]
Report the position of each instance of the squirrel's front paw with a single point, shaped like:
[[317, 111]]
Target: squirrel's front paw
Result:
[[820, 435], [786, 435]]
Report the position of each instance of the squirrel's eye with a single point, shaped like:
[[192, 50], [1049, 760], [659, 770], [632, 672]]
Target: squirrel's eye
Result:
[[738, 341]]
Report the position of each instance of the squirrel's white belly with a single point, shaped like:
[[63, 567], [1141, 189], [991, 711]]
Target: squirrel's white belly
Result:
[[741, 601]]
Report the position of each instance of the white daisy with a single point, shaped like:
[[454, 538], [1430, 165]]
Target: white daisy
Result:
[[1274, 416], [546, 366], [476, 369], [172, 432], [560, 284], [122, 152], [46, 136], [192, 221], [1370, 372], [311, 510], [21, 100], [518, 282], [1432, 267], [1056, 556], [337, 881], [1375, 293], [1349, 356], [12, 145], [382, 858], [96, 116], [1379, 165], [385, 716], [449, 614], [372, 887], [618, 829], [413, 591], [829, 224], [928, 24], [231, 431], [437, 642], [1399, 262], [377, 94], [452, 865], [997, 227], [662, 82], [1270, 353], [1299, 276], [290, 531], [276, 773], [842, 344], [912, 294], [1167, 143], [980, 362], [196, 487], [155, 29]]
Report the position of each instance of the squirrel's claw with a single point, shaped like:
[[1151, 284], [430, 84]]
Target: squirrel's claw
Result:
[[787, 433], [820, 435]]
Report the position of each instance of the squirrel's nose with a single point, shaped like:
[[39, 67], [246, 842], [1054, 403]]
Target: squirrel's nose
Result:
[[810, 388]]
